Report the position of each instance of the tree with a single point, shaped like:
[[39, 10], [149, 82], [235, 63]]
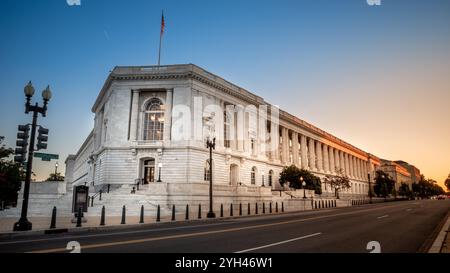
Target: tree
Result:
[[292, 174], [338, 182], [404, 190], [55, 177], [427, 188], [11, 176], [384, 185], [447, 183]]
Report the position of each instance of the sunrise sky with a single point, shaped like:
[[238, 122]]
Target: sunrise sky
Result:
[[377, 77]]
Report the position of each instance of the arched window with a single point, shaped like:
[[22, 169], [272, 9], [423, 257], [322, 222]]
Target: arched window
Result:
[[207, 171], [154, 120], [253, 176], [270, 178]]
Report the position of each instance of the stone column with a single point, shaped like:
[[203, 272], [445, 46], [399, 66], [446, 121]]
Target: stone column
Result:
[[168, 116], [326, 160], [295, 148], [319, 156], [332, 163], [134, 115], [352, 166], [240, 129], [304, 152], [274, 141], [312, 155], [285, 146]]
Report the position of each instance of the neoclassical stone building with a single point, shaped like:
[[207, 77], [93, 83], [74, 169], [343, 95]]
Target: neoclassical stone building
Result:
[[151, 124]]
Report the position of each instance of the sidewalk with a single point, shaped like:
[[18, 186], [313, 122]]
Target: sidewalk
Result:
[[442, 242]]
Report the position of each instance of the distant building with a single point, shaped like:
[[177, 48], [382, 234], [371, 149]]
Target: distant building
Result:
[[413, 171], [398, 172]]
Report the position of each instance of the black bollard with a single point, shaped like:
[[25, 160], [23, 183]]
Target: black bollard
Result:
[[109, 185], [100, 196], [158, 214], [141, 220], [264, 208], [187, 213], [79, 217], [276, 207], [282, 207], [248, 212], [256, 208], [221, 210], [270, 207], [53, 222], [123, 215], [173, 212], [240, 209], [92, 201], [102, 218], [231, 209], [199, 211]]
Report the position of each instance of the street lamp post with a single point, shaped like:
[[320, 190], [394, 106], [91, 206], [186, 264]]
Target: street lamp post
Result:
[[211, 144], [370, 188], [56, 169], [303, 185], [159, 172], [23, 224]]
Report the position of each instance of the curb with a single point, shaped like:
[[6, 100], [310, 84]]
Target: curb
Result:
[[438, 242]]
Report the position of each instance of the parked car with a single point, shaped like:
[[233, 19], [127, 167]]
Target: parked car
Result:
[[442, 197]]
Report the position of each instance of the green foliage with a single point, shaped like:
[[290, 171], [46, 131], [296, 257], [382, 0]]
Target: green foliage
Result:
[[55, 177], [11, 176], [427, 188], [384, 185], [447, 183], [404, 190], [291, 176], [338, 182]]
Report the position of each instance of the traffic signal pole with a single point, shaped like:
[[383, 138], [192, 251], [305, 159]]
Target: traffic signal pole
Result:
[[23, 223]]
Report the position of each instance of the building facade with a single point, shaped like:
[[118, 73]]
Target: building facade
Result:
[[151, 124]]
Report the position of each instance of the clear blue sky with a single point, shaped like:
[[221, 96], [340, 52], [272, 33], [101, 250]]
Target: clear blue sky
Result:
[[345, 66]]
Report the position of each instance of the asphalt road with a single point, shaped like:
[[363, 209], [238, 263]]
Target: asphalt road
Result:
[[395, 227]]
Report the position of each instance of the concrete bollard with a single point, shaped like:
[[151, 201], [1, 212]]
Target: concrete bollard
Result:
[[53, 222], [231, 210], [79, 217], [187, 213], [141, 220], [123, 222], [102, 217], [199, 211], [158, 214], [173, 212]]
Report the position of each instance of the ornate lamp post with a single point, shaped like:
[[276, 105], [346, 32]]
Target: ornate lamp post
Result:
[[303, 185], [23, 224], [56, 169], [211, 144], [159, 172]]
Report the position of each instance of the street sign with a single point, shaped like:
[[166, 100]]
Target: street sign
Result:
[[46, 157]]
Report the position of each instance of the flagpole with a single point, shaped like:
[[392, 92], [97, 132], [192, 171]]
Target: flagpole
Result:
[[159, 52], [160, 37]]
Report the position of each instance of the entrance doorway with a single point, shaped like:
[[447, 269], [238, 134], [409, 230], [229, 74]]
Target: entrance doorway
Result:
[[149, 171]]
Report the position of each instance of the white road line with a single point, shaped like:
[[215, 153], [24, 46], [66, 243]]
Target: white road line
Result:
[[384, 216], [279, 243]]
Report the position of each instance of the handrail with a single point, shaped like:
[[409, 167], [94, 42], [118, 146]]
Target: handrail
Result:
[[99, 193]]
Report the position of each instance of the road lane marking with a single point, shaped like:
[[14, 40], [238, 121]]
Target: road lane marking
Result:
[[138, 241], [384, 216], [279, 243], [72, 236]]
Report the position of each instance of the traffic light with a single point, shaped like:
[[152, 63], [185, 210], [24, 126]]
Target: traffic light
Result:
[[22, 143], [42, 138]]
